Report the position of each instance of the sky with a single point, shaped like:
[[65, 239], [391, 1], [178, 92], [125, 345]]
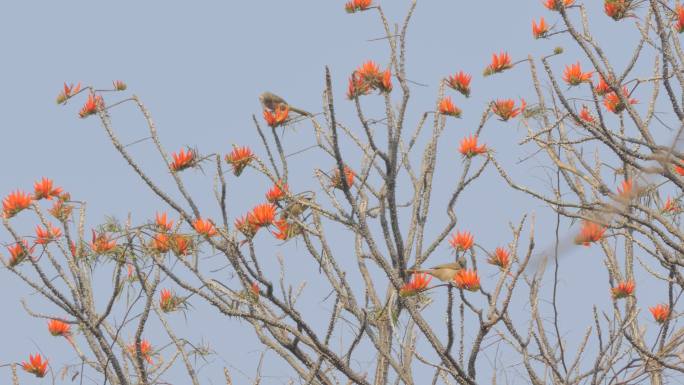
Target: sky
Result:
[[199, 68]]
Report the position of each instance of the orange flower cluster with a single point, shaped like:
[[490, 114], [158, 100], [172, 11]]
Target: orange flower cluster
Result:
[[367, 78], [447, 107], [617, 9], [418, 283], [585, 115], [462, 241], [460, 82], [262, 215], [254, 289], [43, 189], [505, 108], [277, 192], [671, 206], [69, 91], [45, 235], [613, 103], [145, 350], [168, 301], [278, 116], [204, 227], [162, 222], [623, 289], [539, 30], [467, 279], [679, 25], [501, 258], [469, 147], [239, 158], [59, 328], [573, 75], [183, 160], [336, 180], [500, 63], [19, 252], [589, 232], [660, 312], [357, 5], [91, 105], [36, 365], [555, 5], [286, 230], [625, 190], [15, 202], [180, 244], [160, 243], [101, 243], [602, 87]]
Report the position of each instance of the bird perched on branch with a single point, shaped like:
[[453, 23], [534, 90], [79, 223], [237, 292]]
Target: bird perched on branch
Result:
[[444, 272], [271, 102]]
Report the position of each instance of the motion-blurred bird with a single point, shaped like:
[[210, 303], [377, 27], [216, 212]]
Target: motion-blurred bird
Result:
[[271, 101], [445, 272]]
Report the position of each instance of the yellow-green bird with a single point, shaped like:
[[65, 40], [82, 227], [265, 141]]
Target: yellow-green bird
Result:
[[444, 272]]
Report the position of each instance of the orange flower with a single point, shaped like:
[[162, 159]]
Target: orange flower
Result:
[[539, 30], [101, 243], [239, 159], [254, 289], [276, 193], [262, 215], [204, 227], [59, 328], [602, 87], [357, 87], [626, 189], [660, 312], [47, 234], [60, 210], [35, 366], [679, 26], [418, 283], [43, 189], [623, 289], [671, 206], [246, 227], [168, 301], [357, 5], [617, 9], [160, 243], [285, 230], [19, 252], [447, 107], [499, 63], [182, 160], [278, 116], [499, 258], [590, 232], [385, 84], [119, 85], [469, 147], [461, 241], [467, 279], [15, 202], [573, 75], [69, 91], [505, 108], [162, 222], [585, 115], [460, 82], [369, 72], [613, 103], [180, 244], [679, 170], [555, 5], [145, 350], [92, 104], [336, 181]]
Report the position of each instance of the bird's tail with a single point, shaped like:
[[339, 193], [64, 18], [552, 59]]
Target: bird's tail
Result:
[[300, 112]]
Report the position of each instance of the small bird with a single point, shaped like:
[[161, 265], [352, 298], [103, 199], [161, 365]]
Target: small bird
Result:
[[271, 101], [444, 272]]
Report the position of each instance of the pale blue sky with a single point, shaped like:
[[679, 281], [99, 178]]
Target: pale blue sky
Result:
[[200, 66]]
